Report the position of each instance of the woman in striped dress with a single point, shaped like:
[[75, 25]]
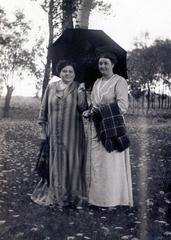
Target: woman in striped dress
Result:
[[61, 108]]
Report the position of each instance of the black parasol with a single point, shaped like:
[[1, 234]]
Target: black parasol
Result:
[[83, 47]]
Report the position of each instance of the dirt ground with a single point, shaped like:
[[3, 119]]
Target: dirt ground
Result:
[[21, 219]]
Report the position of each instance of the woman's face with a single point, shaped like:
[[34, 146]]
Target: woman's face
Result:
[[105, 66], [67, 74]]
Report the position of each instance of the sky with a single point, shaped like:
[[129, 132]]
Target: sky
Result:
[[129, 19]]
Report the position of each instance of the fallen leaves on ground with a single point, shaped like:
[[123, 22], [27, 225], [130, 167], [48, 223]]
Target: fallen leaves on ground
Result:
[[149, 219]]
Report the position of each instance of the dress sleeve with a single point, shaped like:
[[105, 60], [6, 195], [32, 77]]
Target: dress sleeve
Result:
[[122, 95], [82, 101], [43, 114]]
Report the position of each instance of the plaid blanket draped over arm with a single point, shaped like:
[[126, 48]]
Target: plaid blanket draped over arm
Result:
[[110, 127]]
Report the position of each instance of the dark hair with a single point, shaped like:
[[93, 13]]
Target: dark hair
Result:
[[110, 56], [62, 64]]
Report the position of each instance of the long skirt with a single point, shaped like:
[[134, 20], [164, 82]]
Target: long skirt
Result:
[[110, 182]]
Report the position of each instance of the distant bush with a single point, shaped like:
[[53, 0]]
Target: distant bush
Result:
[[22, 107]]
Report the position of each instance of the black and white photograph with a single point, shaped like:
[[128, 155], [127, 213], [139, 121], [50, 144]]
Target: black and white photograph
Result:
[[85, 119]]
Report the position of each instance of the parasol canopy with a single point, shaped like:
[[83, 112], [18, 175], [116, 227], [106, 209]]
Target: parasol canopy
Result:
[[83, 47]]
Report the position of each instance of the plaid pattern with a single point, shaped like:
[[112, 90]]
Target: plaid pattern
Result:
[[112, 124], [110, 127]]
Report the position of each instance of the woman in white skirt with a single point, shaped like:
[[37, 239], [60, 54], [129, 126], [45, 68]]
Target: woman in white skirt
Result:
[[110, 172]]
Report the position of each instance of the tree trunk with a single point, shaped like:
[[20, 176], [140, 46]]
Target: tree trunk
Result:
[[162, 101], [143, 97], [148, 100], [159, 101], [7, 101], [68, 8], [83, 14], [48, 60], [47, 73]]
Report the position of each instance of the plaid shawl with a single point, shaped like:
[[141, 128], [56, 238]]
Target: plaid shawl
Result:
[[110, 127]]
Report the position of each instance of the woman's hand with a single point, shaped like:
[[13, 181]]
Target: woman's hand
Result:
[[81, 87], [43, 134], [87, 114]]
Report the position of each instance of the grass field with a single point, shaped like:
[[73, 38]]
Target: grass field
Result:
[[21, 219]]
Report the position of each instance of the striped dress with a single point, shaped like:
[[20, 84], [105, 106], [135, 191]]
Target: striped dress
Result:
[[62, 110]]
